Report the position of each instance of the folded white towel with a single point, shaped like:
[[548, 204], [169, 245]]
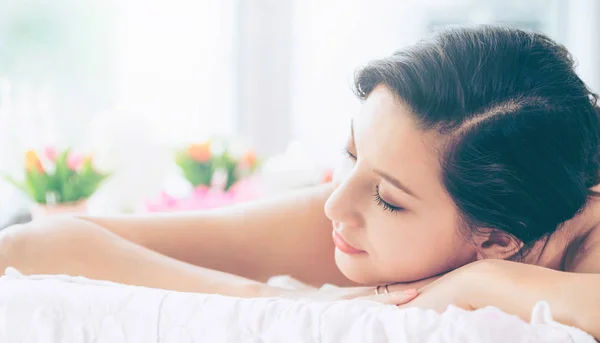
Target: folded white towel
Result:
[[54, 309]]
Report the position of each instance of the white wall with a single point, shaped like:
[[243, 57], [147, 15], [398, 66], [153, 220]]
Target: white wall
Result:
[[583, 39]]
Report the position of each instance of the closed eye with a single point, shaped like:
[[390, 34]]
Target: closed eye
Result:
[[349, 154], [386, 206]]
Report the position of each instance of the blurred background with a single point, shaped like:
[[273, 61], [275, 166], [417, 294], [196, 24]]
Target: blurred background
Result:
[[133, 82]]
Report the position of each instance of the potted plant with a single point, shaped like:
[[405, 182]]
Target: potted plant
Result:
[[59, 182], [218, 178], [202, 167]]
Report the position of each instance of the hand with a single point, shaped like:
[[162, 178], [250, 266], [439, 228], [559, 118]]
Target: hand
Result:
[[465, 287], [456, 287], [398, 294]]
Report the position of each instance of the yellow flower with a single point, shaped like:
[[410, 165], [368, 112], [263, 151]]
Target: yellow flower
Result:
[[32, 161], [200, 152]]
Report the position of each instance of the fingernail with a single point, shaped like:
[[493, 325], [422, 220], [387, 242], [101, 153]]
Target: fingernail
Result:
[[410, 291]]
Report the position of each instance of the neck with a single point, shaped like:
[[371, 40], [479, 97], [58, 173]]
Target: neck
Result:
[[561, 248]]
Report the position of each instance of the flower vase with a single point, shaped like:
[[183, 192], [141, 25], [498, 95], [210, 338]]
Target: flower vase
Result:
[[43, 210]]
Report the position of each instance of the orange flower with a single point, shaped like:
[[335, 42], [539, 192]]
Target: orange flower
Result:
[[249, 158], [32, 161], [200, 152]]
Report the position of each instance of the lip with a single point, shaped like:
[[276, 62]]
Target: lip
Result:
[[343, 246]]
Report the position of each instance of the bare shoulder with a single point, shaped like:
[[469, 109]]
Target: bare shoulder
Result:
[[587, 255]]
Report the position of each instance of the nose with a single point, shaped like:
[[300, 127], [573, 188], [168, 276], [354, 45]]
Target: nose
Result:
[[343, 204]]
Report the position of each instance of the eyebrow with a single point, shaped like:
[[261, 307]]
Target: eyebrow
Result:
[[395, 182]]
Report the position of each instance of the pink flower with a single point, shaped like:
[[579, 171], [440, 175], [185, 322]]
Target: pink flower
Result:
[[74, 162], [204, 198], [50, 153]]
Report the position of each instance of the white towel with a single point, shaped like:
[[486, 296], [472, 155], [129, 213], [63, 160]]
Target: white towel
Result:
[[53, 309]]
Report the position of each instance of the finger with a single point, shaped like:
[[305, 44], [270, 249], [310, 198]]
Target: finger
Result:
[[393, 298], [415, 284]]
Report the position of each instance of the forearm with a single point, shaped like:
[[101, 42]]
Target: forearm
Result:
[[76, 247], [573, 298], [286, 235]]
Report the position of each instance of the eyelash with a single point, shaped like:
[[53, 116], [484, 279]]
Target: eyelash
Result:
[[349, 154], [378, 200], [383, 204]]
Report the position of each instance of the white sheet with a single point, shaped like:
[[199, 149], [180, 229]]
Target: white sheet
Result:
[[54, 309]]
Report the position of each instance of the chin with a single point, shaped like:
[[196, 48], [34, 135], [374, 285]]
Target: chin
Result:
[[354, 270], [364, 271]]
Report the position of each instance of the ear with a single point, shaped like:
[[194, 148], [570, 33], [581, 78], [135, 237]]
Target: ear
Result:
[[495, 244]]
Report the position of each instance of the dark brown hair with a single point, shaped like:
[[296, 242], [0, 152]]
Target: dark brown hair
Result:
[[521, 128]]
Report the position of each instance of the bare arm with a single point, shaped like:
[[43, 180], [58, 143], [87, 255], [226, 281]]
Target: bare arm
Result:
[[514, 288], [76, 247], [573, 297], [286, 235]]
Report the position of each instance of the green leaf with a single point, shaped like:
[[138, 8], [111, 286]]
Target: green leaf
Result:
[[196, 173], [230, 165], [63, 176], [37, 183]]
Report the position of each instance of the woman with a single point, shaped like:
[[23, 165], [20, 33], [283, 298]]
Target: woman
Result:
[[470, 181]]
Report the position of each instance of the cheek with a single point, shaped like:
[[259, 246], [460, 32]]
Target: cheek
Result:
[[408, 249]]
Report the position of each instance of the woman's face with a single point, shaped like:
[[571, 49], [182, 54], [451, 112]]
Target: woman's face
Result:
[[392, 218]]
